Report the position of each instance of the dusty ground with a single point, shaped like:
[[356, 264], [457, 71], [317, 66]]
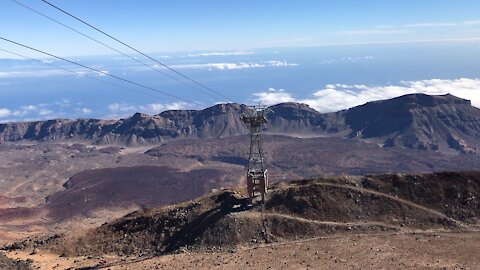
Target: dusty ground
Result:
[[371, 251], [9, 264], [392, 203], [430, 251], [31, 172]]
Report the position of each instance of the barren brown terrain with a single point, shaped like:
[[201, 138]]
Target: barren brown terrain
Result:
[[382, 251], [60, 183], [51, 187], [423, 221], [439, 250], [166, 191]]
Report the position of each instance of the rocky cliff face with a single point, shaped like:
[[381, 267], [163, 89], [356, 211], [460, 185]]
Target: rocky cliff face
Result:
[[419, 121], [437, 123], [218, 121]]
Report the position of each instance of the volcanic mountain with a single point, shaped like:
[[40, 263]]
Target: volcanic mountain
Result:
[[419, 121], [438, 123]]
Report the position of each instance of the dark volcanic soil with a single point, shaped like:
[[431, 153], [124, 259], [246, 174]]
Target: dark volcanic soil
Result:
[[300, 158], [144, 186], [32, 173], [177, 171], [298, 210], [9, 214]]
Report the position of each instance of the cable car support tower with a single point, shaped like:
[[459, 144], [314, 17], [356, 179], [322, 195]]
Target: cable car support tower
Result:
[[257, 175]]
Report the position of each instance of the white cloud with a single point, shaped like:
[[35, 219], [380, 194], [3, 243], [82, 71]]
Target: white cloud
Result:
[[273, 97], [373, 32], [156, 108], [471, 31], [385, 27], [475, 22], [3, 121], [221, 66], [118, 107], [228, 66], [280, 64], [86, 111], [118, 110], [355, 59], [35, 112], [430, 24], [341, 96], [4, 112], [44, 112], [221, 53], [446, 24], [102, 73], [64, 103], [406, 28], [29, 108], [83, 111], [233, 66], [32, 73]]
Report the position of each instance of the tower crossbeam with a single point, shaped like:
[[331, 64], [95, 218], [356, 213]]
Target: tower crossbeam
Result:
[[257, 174]]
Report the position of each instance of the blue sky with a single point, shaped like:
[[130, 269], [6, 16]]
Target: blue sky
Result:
[[180, 25], [329, 54]]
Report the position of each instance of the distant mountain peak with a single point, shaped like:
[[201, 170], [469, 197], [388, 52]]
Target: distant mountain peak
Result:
[[293, 105], [139, 116], [224, 107], [418, 121], [426, 100]]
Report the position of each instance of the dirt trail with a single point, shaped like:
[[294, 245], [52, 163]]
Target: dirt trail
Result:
[[409, 203], [333, 223]]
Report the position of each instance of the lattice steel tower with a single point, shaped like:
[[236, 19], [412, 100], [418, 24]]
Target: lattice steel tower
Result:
[[257, 177]]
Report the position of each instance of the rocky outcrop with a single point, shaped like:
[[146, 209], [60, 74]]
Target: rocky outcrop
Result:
[[418, 121], [436, 123]]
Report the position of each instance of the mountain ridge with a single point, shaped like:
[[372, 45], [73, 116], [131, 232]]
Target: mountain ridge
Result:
[[435, 123]]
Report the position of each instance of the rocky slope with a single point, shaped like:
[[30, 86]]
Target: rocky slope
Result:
[[217, 121], [182, 170], [296, 210], [419, 121], [437, 123]]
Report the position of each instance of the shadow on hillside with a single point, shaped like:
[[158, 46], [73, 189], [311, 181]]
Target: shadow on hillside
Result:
[[196, 228]]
